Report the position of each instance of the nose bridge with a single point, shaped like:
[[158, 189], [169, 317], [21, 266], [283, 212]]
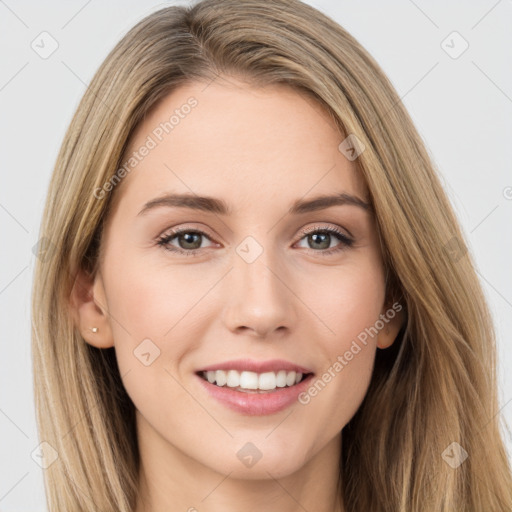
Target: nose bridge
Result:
[[259, 298]]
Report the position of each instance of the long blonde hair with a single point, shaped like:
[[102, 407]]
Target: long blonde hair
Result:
[[435, 386]]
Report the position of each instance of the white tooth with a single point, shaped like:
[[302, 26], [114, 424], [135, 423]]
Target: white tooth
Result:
[[233, 379], [267, 380], [249, 380], [252, 381], [220, 377], [290, 378], [281, 379]]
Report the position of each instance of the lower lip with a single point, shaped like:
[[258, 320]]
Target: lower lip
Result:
[[256, 404]]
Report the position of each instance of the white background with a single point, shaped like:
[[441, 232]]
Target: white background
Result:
[[462, 108]]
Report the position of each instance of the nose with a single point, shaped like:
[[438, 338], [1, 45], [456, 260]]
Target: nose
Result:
[[261, 300]]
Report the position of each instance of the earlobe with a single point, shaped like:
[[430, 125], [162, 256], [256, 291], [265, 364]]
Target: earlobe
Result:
[[89, 310], [388, 334]]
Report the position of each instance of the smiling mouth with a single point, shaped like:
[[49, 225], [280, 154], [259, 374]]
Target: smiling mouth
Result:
[[252, 382]]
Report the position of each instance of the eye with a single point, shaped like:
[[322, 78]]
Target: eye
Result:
[[321, 238], [188, 239]]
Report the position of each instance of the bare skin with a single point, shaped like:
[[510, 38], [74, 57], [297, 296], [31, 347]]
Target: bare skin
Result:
[[301, 299]]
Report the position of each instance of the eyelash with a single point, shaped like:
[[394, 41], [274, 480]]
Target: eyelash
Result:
[[346, 242]]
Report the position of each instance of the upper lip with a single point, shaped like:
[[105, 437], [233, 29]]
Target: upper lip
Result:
[[252, 365]]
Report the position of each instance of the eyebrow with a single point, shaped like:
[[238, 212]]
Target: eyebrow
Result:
[[220, 207]]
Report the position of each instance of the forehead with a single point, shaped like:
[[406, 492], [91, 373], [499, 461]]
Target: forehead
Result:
[[234, 141]]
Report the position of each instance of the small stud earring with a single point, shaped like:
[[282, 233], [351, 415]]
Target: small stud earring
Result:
[[94, 329]]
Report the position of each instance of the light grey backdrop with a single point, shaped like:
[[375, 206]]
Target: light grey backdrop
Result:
[[460, 99]]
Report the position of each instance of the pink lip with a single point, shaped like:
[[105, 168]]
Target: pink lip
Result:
[[251, 365], [256, 404]]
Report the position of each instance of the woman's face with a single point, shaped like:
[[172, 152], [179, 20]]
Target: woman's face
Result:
[[255, 283]]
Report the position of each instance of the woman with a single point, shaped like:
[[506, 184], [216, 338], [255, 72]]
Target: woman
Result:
[[194, 348]]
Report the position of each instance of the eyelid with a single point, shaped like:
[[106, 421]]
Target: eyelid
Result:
[[184, 227], [307, 231]]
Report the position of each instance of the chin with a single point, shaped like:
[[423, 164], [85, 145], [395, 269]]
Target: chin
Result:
[[273, 464]]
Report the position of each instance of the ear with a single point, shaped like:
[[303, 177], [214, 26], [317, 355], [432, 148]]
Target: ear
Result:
[[395, 315], [89, 310]]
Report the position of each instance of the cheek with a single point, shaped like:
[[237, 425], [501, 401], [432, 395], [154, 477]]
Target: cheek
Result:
[[148, 306], [346, 300], [148, 298], [348, 307]]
